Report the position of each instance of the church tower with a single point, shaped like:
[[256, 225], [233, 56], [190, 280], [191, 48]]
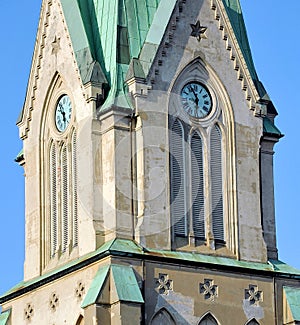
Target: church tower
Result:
[[148, 145]]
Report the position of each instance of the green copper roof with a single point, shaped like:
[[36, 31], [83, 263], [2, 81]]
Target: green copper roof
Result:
[[293, 299], [108, 35], [20, 156], [111, 33], [234, 11], [4, 317], [80, 41], [124, 280], [235, 15], [123, 247], [126, 284], [270, 128], [116, 31], [96, 286]]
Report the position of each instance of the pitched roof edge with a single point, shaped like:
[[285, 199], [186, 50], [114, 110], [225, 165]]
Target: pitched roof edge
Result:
[[80, 43], [126, 284], [34, 58], [96, 286], [238, 51], [156, 33], [269, 128], [4, 316]]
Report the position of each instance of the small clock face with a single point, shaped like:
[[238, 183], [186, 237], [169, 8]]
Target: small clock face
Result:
[[63, 113], [196, 100]]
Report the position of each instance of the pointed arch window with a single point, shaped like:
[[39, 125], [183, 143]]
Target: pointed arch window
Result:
[[63, 195], [162, 317], [208, 320], [196, 181], [252, 322]]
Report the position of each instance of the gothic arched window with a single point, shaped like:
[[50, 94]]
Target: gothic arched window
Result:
[[63, 207], [59, 175], [162, 317], [208, 320], [196, 190], [252, 322]]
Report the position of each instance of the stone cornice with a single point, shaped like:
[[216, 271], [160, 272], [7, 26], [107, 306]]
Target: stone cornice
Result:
[[122, 248]]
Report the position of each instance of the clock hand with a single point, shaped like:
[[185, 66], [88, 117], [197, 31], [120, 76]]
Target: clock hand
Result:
[[62, 112], [196, 96]]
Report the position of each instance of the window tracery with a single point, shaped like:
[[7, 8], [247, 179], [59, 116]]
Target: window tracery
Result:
[[200, 158], [59, 166]]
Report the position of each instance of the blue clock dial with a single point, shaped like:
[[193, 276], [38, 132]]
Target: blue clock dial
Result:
[[196, 100], [63, 113]]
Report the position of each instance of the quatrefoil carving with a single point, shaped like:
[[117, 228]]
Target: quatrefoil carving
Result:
[[209, 290], [28, 312], [54, 301], [253, 295], [165, 285], [80, 290]]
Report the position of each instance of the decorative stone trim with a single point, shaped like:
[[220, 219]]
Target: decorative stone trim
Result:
[[253, 295], [198, 31], [28, 312], [34, 77], [165, 285], [53, 301], [235, 54], [208, 289], [167, 40], [231, 45]]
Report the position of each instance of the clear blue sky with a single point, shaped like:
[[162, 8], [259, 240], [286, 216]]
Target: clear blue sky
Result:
[[273, 30]]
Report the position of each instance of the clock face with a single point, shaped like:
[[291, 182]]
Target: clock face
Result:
[[196, 100], [63, 113]]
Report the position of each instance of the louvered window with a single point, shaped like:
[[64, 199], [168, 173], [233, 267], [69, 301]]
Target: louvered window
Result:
[[63, 195], [197, 186], [216, 183], [178, 197], [53, 200], [196, 193], [64, 198], [74, 189]]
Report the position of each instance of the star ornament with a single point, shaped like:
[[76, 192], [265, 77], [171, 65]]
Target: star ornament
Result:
[[198, 31]]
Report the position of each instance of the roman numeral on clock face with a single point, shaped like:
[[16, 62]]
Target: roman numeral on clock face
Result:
[[196, 100]]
